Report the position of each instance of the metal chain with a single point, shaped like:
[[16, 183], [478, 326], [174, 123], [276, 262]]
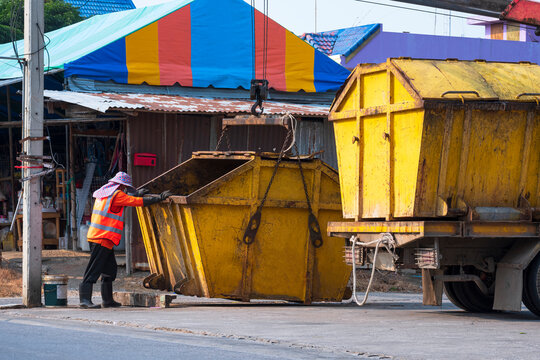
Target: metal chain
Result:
[[224, 134], [280, 157], [303, 178], [255, 220], [313, 224]]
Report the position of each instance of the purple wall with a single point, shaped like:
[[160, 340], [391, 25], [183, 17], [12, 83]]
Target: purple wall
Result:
[[388, 44]]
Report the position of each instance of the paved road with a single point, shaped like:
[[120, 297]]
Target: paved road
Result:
[[390, 325], [43, 339]]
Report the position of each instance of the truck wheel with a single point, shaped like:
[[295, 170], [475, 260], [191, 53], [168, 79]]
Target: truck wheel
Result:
[[468, 294], [531, 286], [449, 288]]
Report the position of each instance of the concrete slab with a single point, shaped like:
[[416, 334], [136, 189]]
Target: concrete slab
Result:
[[393, 325]]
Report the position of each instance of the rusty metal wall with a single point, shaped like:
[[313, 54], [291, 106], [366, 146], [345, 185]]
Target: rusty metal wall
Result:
[[314, 135], [256, 138], [172, 138]]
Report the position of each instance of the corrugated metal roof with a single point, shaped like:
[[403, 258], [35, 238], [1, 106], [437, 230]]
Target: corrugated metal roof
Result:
[[342, 41], [179, 104], [89, 8]]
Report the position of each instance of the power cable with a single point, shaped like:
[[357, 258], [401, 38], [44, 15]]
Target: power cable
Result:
[[429, 11], [14, 15], [254, 63], [265, 49]]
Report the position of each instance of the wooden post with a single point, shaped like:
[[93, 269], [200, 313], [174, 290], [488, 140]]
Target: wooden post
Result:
[[33, 146], [129, 213], [14, 197], [67, 210], [72, 192]]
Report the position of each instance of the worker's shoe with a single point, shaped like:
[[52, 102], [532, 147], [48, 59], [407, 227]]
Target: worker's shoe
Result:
[[85, 297], [107, 295]]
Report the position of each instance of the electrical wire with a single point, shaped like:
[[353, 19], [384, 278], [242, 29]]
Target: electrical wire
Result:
[[14, 15], [265, 37], [53, 155], [45, 44], [265, 49], [254, 64], [429, 11]]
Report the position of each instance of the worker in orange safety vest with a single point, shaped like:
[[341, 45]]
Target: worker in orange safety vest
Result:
[[105, 232]]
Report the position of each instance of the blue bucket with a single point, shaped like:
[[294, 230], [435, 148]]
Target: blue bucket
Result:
[[55, 290]]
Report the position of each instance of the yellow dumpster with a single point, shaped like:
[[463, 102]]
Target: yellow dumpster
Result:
[[437, 138], [195, 241]]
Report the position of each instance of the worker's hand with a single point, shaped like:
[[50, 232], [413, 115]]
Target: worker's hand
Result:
[[141, 192], [164, 195]]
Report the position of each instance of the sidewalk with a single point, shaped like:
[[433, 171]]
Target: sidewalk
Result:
[[393, 325]]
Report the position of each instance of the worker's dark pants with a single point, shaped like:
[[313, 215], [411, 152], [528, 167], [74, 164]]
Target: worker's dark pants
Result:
[[102, 262]]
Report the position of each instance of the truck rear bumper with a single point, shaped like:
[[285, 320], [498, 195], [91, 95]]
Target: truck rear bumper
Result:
[[409, 231]]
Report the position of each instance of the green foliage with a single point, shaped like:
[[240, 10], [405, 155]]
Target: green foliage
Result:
[[5, 34], [57, 15]]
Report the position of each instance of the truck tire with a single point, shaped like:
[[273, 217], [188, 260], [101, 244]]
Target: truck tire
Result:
[[531, 286], [473, 299], [467, 295], [449, 289]]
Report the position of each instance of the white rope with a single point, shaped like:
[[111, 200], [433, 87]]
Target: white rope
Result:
[[387, 240], [293, 130]]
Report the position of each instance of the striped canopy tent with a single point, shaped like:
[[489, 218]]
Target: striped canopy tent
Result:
[[197, 43]]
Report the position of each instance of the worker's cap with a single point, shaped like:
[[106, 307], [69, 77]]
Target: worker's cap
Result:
[[122, 178]]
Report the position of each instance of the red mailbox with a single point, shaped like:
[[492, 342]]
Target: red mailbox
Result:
[[145, 159]]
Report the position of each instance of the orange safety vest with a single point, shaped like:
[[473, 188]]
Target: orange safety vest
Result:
[[106, 224]]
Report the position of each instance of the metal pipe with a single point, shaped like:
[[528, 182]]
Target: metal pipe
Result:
[[67, 210], [129, 218], [7, 124], [465, 278]]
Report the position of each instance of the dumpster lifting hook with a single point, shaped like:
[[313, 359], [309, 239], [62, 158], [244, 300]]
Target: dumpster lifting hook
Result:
[[252, 228]]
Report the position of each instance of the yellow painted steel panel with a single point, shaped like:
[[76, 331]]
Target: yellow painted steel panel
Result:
[[428, 168], [532, 175], [423, 155], [350, 101], [399, 93], [375, 172], [376, 83], [200, 233], [272, 276], [504, 81], [221, 259], [348, 163], [495, 153], [407, 135]]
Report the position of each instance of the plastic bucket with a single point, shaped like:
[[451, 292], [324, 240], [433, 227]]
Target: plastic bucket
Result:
[[55, 290]]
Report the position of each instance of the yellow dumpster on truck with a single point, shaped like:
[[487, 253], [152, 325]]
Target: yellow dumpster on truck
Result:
[[441, 160], [195, 241], [419, 138]]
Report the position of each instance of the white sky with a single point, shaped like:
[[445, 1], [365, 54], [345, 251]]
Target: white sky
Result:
[[299, 16]]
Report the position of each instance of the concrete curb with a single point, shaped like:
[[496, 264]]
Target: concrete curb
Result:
[[11, 306]]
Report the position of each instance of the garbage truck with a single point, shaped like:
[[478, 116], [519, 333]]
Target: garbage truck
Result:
[[439, 164]]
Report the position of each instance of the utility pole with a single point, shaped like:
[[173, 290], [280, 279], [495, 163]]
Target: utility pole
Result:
[[32, 137]]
